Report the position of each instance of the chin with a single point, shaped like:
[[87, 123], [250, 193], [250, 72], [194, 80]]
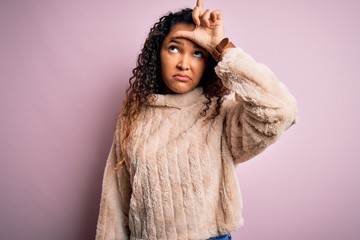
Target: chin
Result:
[[178, 90], [182, 91]]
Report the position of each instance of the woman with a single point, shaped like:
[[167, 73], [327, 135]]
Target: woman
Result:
[[171, 170]]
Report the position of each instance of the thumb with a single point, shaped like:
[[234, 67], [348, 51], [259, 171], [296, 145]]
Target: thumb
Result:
[[185, 34]]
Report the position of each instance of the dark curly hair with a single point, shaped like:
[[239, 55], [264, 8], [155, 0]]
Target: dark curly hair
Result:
[[147, 81]]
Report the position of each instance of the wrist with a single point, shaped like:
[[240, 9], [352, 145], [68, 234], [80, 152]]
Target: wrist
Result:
[[221, 48]]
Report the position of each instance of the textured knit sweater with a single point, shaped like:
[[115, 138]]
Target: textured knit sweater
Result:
[[180, 181]]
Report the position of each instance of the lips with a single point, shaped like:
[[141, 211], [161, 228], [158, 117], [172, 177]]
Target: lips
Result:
[[182, 77]]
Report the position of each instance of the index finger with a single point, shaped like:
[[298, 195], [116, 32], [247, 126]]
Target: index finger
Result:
[[199, 3]]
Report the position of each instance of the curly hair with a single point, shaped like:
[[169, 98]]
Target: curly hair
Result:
[[147, 81]]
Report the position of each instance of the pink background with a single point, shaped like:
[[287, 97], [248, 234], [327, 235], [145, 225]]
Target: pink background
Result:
[[64, 69]]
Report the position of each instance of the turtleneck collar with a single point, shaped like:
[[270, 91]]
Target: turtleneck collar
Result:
[[178, 100]]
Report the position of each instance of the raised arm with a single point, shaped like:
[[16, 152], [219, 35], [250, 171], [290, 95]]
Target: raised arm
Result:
[[262, 108]]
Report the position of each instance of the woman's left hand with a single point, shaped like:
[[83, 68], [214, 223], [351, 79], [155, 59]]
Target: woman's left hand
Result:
[[209, 29]]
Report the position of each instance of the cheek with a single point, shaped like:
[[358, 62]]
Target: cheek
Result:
[[166, 62], [162, 58], [200, 68]]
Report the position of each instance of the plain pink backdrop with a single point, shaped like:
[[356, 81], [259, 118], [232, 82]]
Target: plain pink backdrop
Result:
[[64, 67]]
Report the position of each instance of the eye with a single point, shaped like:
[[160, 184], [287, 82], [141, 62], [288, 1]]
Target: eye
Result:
[[198, 54], [173, 49]]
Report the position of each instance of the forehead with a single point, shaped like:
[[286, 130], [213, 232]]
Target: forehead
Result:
[[180, 27]]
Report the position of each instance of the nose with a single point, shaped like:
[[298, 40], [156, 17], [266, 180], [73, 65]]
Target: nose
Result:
[[184, 63]]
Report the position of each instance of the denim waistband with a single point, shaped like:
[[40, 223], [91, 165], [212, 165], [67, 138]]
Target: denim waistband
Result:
[[221, 237]]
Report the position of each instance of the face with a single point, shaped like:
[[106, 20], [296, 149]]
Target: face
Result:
[[182, 61]]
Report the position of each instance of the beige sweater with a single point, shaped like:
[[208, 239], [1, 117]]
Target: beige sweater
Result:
[[181, 181]]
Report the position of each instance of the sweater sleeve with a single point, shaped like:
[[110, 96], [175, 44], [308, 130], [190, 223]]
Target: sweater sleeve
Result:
[[114, 205], [260, 109]]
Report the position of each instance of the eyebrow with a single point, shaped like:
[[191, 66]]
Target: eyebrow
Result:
[[182, 44], [176, 41]]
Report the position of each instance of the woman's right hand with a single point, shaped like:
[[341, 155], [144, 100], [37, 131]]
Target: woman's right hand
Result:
[[209, 29]]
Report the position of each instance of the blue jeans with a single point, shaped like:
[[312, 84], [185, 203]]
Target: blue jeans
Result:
[[221, 237]]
